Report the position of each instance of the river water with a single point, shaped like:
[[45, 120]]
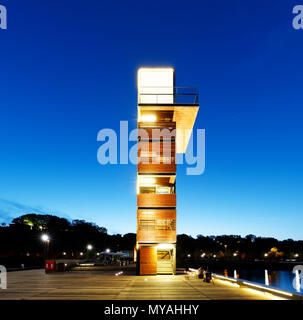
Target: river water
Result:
[[280, 279]]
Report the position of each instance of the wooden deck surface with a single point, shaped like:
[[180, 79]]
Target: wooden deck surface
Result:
[[104, 285]]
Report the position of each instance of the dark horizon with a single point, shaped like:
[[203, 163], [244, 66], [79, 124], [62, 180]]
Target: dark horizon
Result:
[[123, 234]]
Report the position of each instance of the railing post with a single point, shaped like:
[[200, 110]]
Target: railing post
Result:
[[266, 278], [297, 281]]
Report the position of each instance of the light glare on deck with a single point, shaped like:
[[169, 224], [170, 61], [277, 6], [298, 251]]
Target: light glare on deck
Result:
[[270, 289]]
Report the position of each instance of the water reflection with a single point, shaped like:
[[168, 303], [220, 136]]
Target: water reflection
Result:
[[282, 279]]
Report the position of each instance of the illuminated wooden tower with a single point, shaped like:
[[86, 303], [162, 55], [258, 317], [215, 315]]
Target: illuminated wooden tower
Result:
[[166, 115]]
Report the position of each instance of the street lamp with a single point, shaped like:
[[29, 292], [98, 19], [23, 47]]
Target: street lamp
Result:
[[265, 254], [107, 250], [89, 247], [45, 239], [235, 254]]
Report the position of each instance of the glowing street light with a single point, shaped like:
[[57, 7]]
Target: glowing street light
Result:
[[188, 255], [265, 254], [202, 255], [89, 247], [45, 237], [297, 255], [107, 250], [235, 254]]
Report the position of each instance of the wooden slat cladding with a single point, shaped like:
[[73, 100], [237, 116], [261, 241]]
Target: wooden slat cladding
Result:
[[156, 225], [156, 157], [156, 168], [156, 200], [156, 213], [148, 260], [146, 134], [169, 125], [156, 148], [156, 236]]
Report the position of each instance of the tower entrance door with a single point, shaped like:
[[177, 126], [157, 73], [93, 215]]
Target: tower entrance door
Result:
[[165, 261]]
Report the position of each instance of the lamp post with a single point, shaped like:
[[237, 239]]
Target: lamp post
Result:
[[89, 253], [46, 240]]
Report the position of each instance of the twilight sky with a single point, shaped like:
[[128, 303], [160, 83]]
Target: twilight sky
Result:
[[68, 69]]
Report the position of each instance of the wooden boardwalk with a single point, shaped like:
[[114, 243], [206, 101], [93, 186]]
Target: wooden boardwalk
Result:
[[104, 285]]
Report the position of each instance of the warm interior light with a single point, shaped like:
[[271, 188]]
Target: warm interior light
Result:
[[148, 118], [165, 246], [147, 180], [164, 190], [156, 85], [154, 79]]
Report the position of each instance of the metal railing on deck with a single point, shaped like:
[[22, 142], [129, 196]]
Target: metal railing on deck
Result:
[[169, 95], [259, 287], [240, 283]]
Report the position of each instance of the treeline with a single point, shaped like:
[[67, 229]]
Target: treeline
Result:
[[235, 247], [21, 241]]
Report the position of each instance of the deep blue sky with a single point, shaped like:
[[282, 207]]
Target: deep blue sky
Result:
[[68, 69]]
